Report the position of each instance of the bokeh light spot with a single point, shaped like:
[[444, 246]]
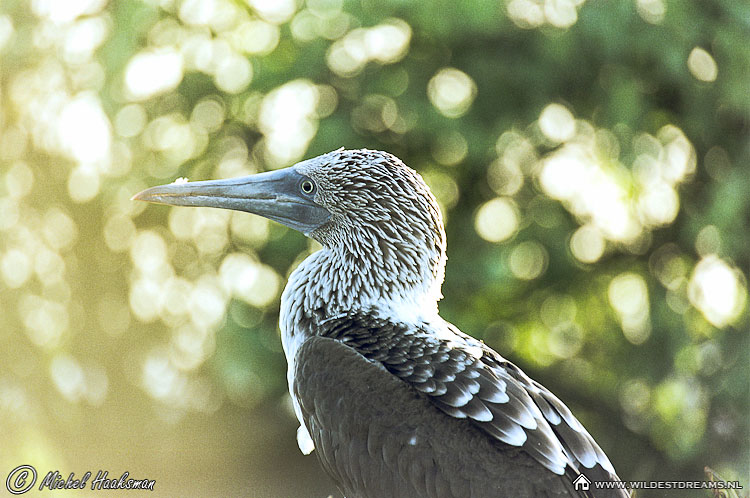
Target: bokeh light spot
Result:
[[565, 341], [528, 260], [526, 13], [6, 30], [253, 282], [592, 191], [83, 38], [78, 382], [59, 229], [208, 114], [45, 321], [145, 295], [529, 14], [558, 310], [84, 129], [287, 118], [634, 396], [233, 73], [130, 120], [708, 241], [587, 244], [444, 188], [450, 148], [68, 376], [505, 177], [148, 252], [207, 302], [83, 183], [256, 37], [716, 289], [16, 268], [19, 180], [386, 43], [557, 123], [159, 378], [452, 92], [64, 12], [702, 65], [651, 11], [628, 295], [153, 72], [48, 265], [274, 11], [659, 205], [561, 13], [190, 346], [497, 219], [119, 231]]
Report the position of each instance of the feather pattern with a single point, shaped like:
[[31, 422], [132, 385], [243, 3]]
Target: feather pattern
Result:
[[489, 390]]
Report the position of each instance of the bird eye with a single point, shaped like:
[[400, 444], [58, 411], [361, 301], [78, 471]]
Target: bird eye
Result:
[[307, 187]]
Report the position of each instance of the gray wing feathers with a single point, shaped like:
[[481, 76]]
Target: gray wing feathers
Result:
[[577, 442], [492, 392], [379, 436]]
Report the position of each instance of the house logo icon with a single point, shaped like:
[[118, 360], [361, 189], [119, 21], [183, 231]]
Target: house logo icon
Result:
[[581, 483]]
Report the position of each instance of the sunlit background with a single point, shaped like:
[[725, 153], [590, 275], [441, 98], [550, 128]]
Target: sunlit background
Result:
[[591, 160]]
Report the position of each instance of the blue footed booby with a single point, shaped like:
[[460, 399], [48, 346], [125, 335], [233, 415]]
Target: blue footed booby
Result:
[[397, 402]]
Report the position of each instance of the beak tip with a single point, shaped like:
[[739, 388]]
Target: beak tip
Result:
[[138, 197], [150, 194]]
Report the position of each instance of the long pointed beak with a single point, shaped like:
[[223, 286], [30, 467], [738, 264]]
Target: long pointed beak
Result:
[[276, 195]]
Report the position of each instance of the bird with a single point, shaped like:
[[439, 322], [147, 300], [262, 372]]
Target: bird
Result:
[[396, 401]]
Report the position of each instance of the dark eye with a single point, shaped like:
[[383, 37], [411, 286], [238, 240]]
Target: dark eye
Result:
[[307, 186]]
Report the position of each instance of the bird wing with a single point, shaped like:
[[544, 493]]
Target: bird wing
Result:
[[378, 437], [468, 380]]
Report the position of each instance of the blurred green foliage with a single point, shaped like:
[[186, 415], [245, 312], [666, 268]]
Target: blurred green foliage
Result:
[[591, 160]]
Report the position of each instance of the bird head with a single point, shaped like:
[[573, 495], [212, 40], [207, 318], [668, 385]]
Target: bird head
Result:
[[366, 206]]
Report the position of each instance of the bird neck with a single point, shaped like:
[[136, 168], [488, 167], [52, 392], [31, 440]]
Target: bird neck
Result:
[[335, 281]]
